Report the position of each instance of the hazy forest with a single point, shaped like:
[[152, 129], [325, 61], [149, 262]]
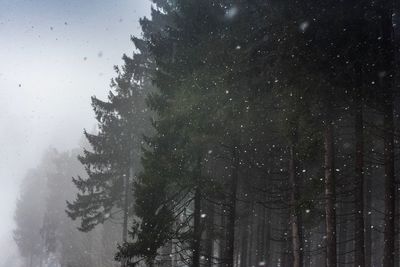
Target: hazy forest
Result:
[[236, 133]]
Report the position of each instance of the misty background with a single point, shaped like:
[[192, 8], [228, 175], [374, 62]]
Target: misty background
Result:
[[54, 56]]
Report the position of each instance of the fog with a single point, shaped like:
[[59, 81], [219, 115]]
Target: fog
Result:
[[212, 133], [54, 56]]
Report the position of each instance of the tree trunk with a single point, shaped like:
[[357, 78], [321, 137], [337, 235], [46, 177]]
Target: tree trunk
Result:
[[359, 259], [388, 64], [222, 237], [343, 233], [251, 236], [244, 243], [260, 236], [397, 229], [330, 192], [368, 222], [267, 247], [295, 214], [230, 245], [237, 254], [389, 231]]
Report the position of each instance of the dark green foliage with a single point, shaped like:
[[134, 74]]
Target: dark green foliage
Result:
[[254, 108], [122, 120]]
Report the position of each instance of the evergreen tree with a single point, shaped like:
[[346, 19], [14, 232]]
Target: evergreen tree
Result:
[[113, 158]]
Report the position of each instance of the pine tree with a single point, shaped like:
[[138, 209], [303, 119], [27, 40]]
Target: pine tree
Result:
[[114, 156]]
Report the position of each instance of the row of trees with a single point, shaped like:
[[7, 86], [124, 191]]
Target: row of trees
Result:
[[44, 234], [249, 132]]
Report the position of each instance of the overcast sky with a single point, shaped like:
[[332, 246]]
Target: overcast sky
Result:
[[54, 55]]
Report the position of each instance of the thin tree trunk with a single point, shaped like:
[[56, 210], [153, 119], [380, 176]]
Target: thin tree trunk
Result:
[[260, 235], [368, 222], [244, 244], [250, 228], [230, 246], [237, 253], [268, 247], [397, 229], [359, 260], [295, 221], [330, 192], [222, 237], [343, 233], [389, 231], [285, 256], [388, 64]]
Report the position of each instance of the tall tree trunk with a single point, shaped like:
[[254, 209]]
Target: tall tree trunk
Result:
[[389, 231], [388, 62], [359, 259], [342, 236], [320, 258], [307, 248], [237, 254], [295, 214], [260, 236], [368, 222], [251, 235], [330, 192], [284, 254], [222, 237], [244, 243], [397, 229], [268, 236], [209, 245], [230, 245]]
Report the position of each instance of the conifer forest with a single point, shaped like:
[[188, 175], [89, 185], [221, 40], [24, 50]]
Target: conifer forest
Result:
[[233, 133]]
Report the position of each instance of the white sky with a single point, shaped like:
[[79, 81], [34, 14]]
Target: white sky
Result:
[[46, 83]]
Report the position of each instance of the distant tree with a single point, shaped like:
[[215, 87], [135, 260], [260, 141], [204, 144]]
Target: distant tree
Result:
[[29, 217], [65, 245]]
